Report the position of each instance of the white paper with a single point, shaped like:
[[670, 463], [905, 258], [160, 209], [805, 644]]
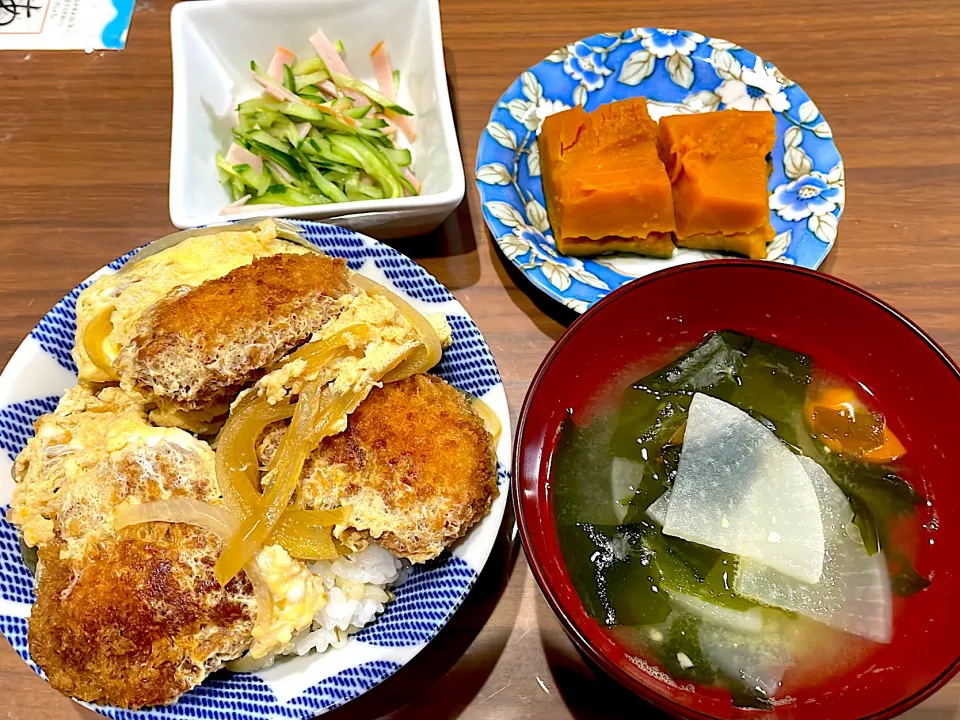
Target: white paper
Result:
[[64, 24]]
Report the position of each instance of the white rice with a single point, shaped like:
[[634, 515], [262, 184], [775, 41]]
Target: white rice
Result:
[[356, 587]]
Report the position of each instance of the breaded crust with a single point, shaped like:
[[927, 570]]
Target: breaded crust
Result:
[[198, 348], [415, 463], [143, 622]]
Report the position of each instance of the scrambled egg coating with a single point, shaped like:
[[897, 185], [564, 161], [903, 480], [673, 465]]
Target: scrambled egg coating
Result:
[[392, 336], [117, 302], [93, 452], [298, 595]]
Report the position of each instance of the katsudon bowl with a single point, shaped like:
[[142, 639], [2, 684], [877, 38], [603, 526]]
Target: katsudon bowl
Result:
[[640, 328], [296, 686]]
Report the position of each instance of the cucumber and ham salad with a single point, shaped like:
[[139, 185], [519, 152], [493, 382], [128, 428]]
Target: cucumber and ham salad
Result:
[[319, 135]]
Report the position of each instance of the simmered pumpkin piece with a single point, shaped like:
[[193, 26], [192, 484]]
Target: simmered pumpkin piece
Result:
[[605, 186], [717, 163]]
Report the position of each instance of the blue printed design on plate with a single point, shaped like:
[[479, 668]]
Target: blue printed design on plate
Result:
[[56, 331], [467, 364], [424, 602], [410, 277], [337, 241], [14, 629], [503, 477], [16, 422], [226, 696], [679, 72]]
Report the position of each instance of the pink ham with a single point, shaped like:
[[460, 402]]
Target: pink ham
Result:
[[235, 206], [335, 64], [404, 122], [303, 129], [280, 58], [275, 90], [411, 178], [329, 89], [238, 155], [383, 70]]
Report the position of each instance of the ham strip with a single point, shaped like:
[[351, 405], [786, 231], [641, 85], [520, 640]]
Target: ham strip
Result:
[[238, 155], [335, 64], [280, 58], [383, 70]]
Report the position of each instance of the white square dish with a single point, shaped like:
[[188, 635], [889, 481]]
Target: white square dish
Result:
[[213, 43]]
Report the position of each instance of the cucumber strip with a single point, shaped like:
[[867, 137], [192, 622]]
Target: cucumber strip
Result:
[[265, 118], [399, 157], [265, 138], [372, 123], [358, 113], [323, 185], [284, 129], [289, 81], [396, 83], [259, 103], [370, 163], [309, 66], [236, 189], [371, 94], [280, 158], [288, 196], [312, 97], [303, 81]]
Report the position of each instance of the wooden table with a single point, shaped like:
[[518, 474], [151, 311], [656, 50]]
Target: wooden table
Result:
[[84, 144]]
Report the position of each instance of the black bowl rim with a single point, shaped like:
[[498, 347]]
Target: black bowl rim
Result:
[[518, 448]]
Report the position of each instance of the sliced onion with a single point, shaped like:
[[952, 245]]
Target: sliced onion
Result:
[[490, 420], [94, 335], [316, 415], [305, 534], [220, 521], [320, 353], [429, 354]]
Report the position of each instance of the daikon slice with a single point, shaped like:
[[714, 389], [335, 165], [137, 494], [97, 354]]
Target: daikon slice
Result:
[[759, 661], [745, 621], [854, 592], [740, 490], [658, 508], [625, 477]]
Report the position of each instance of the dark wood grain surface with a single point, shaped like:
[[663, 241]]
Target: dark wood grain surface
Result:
[[84, 156]]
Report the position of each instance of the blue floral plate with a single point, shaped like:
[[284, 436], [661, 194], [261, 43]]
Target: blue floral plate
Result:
[[295, 687], [678, 72]]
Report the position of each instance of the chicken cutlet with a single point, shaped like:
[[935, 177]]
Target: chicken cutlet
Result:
[[415, 464], [187, 328], [135, 616]]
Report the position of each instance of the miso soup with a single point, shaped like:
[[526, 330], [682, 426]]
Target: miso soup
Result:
[[741, 517]]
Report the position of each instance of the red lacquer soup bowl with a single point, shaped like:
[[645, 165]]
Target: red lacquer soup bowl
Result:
[[844, 330]]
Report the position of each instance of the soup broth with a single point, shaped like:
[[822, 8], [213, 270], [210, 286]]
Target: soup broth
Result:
[[677, 602]]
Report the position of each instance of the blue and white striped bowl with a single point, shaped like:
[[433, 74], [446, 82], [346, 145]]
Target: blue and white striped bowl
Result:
[[295, 687]]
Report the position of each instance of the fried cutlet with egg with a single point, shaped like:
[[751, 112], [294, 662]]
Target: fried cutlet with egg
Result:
[[415, 464], [142, 622], [187, 328], [134, 617], [198, 349]]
